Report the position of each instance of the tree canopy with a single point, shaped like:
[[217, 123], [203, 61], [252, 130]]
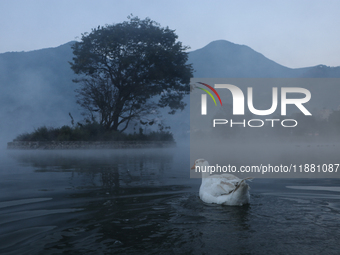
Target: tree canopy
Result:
[[122, 67]]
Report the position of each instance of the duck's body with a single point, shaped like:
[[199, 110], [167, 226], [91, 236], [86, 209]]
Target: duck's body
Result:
[[225, 189]]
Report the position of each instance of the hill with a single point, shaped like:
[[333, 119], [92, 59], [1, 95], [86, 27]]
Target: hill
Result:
[[36, 87], [221, 59]]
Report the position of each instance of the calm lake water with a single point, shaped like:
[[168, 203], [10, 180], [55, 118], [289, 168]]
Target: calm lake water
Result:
[[144, 202]]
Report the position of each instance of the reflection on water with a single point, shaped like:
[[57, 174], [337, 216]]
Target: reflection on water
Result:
[[143, 202]]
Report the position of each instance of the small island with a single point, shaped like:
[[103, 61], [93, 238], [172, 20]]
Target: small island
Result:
[[90, 136]]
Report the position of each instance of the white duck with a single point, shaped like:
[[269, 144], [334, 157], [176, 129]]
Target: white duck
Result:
[[225, 189]]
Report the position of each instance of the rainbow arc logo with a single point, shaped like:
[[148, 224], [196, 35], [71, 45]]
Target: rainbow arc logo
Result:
[[204, 97], [213, 90]]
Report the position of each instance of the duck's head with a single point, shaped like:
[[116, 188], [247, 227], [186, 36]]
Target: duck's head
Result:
[[202, 166], [200, 162]]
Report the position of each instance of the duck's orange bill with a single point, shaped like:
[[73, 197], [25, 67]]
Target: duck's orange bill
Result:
[[193, 167]]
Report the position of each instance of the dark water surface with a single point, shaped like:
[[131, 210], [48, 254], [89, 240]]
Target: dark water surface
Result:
[[143, 202]]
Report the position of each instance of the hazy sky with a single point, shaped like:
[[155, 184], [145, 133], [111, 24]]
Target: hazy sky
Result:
[[294, 33]]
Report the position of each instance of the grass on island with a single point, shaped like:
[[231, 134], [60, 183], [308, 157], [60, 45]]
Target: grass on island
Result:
[[91, 132]]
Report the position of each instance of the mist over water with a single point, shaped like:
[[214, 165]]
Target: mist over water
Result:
[[294, 154], [290, 133], [144, 202]]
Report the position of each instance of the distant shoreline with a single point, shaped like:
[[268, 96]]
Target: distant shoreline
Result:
[[71, 145]]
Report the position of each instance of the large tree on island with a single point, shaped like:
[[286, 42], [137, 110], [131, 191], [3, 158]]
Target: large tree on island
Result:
[[122, 68]]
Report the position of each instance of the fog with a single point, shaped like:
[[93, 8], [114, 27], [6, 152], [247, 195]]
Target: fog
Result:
[[136, 201], [110, 169], [36, 90], [269, 159], [250, 142]]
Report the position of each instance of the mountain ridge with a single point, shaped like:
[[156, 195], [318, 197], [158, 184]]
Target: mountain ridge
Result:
[[36, 87], [241, 61]]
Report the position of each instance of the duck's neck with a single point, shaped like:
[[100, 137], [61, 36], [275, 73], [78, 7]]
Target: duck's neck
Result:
[[205, 174]]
